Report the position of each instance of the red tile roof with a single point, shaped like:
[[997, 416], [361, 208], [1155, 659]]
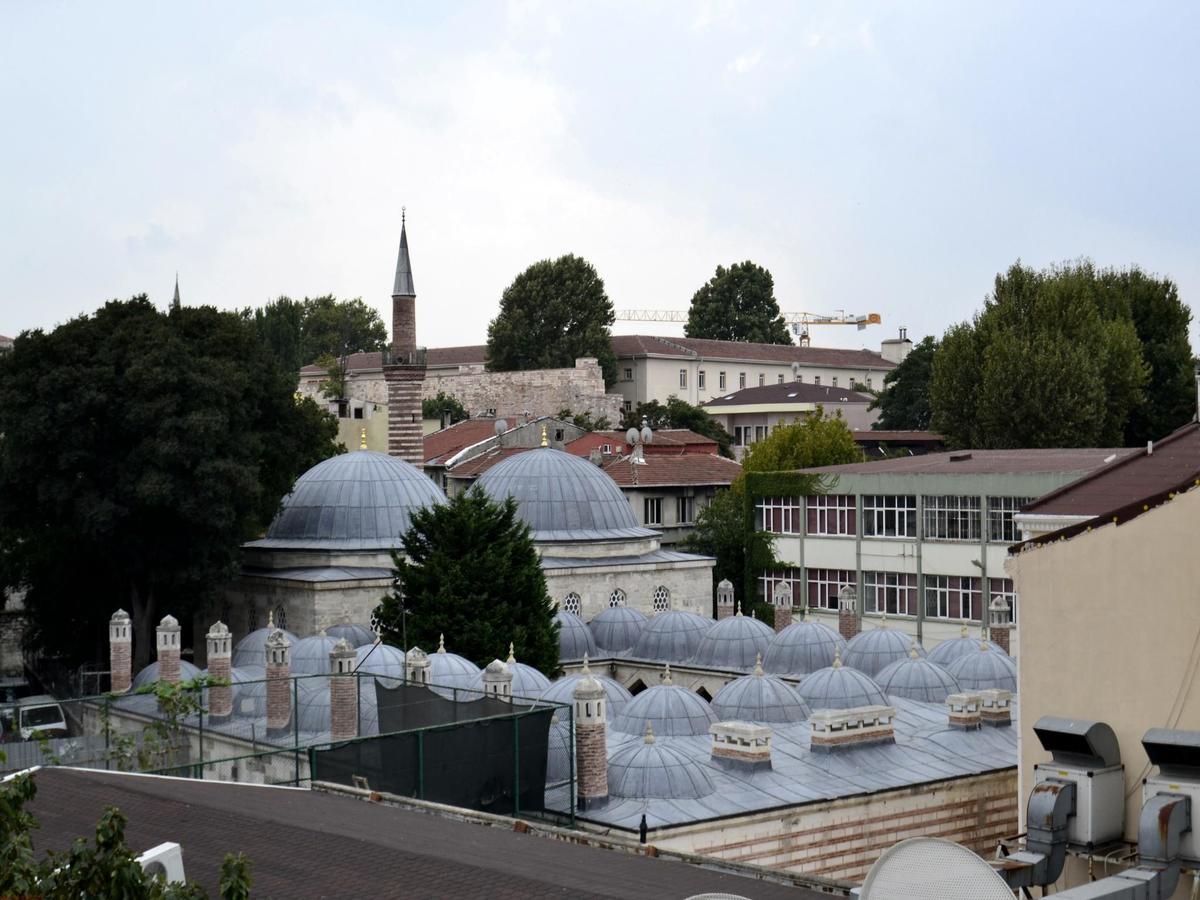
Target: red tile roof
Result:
[[632, 345], [688, 469], [789, 392], [441, 445], [985, 462]]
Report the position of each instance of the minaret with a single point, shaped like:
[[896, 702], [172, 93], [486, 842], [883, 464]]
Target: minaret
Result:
[[404, 364], [220, 651], [175, 300], [120, 651]]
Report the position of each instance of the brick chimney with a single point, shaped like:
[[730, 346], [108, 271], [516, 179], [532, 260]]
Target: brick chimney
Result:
[[847, 612], [781, 599], [168, 649], [497, 681], [834, 728], [995, 707], [591, 739], [964, 711], [279, 681], [724, 599], [741, 745], [220, 653], [999, 622], [120, 652], [416, 663], [343, 692]]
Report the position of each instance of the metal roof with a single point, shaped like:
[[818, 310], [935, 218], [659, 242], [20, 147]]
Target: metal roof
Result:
[[671, 637], [801, 648], [733, 643], [562, 690], [984, 669], [947, 652], [759, 698], [617, 628], [669, 709], [985, 462], [840, 687], [252, 649], [917, 679], [654, 771], [404, 277], [574, 637]]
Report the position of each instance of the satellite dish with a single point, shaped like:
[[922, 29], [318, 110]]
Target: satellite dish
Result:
[[928, 868], [631, 437]]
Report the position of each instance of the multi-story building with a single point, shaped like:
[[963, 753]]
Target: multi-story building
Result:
[[6, 344], [922, 539]]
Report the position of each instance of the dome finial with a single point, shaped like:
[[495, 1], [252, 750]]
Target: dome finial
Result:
[[511, 657], [270, 619], [837, 657], [667, 674], [912, 651], [737, 608], [362, 438], [585, 670], [441, 643], [758, 670], [883, 618], [983, 645], [545, 438], [963, 631], [649, 732]]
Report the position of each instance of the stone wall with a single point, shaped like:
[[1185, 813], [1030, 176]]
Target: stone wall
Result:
[[539, 391]]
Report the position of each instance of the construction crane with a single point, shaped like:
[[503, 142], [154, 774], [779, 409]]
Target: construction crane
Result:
[[797, 321]]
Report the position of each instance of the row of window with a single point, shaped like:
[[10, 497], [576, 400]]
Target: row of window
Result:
[[946, 596], [702, 378], [685, 510], [660, 600], [893, 516]]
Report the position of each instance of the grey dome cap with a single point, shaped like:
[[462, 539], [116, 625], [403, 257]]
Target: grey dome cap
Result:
[[527, 683], [760, 698], [672, 636], [149, 675], [355, 501], [617, 628], [802, 648], [312, 699], [985, 669], [562, 691], [733, 643], [917, 679], [949, 651], [575, 639], [840, 687], [356, 635], [310, 655], [655, 771], [870, 651], [451, 676], [669, 708], [563, 497], [384, 660], [252, 649]]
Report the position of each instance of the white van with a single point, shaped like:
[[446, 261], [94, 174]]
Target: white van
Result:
[[40, 716]]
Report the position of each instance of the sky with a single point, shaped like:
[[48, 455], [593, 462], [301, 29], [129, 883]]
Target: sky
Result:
[[887, 158]]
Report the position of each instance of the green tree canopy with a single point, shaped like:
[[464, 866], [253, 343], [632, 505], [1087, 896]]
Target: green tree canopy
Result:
[[814, 439], [138, 451], [553, 313], [444, 407], [301, 332], [724, 532], [584, 420], [470, 571], [1056, 359], [737, 304], [676, 413], [903, 403]]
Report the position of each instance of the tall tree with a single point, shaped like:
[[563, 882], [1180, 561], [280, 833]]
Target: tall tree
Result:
[[280, 325], [300, 332], [470, 570], [553, 313], [903, 403], [676, 413], [445, 407], [737, 304], [814, 439], [138, 451], [724, 532]]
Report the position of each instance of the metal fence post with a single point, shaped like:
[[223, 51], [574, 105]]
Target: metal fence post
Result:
[[200, 739], [516, 765], [296, 726], [571, 792], [107, 732], [421, 764]]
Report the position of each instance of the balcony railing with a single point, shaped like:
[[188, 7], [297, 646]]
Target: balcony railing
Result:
[[415, 357]]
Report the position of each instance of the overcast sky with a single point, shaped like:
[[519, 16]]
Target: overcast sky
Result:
[[884, 158]]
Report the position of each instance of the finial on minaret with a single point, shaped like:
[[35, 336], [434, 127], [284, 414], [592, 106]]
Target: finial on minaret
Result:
[[403, 211], [545, 439], [511, 656], [362, 438]]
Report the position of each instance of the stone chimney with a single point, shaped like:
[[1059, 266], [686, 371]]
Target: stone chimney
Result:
[[120, 652], [417, 663], [220, 653], [847, 612], [497, 681], [168, 649], [279, 681], [781, 599], [833, 728], [724, 599], [995, 707], [343, 692], [999, 622], [741, 745], [591, 739], [964, 711]]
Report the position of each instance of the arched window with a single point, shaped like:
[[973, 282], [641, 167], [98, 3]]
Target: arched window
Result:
[[662, 599], [251, 617], [281, 616], [616, 598], [571, 603]]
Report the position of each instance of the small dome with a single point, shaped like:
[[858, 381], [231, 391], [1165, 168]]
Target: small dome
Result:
[[383, 660], [310, 655], [149, 675], [669, 708], [527, 682], [759, 698], [249, 691], [870, 651], [563, 690], [984, 669], [563, 497], [733, 643], [672, 636], [949, 651], [617, 628], [917, 678], [355, 635], [354, 501], [313, 705], [801, 648], [650, 770], [574, 637], [450, 675], [252, 649], [840, 687]]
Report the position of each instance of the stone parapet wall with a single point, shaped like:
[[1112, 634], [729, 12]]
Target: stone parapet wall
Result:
[[538, 392]]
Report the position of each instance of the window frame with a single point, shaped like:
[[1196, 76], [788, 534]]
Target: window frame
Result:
[[873, 514], [947, 516], [998, 511], [784, 513], [700, 379], [721, 381], [897, 586], [831, 580], [946, 594], [741, 380], [649, 503], [842, 509], [685, 504]]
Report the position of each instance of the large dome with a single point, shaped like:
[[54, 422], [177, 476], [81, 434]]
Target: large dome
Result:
[[949, 651], [672, 636], [984, 669], [733, 643], [801, 648], [575, 639], [645, 770], [310, 655], [563, 497], [870, 651], [840, 687], [669, 708], [356, 501], [563, 691], [915, 678], [617, 628], [759, 698]]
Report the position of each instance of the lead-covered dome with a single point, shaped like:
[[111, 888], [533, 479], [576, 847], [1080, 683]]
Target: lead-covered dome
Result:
[[733, 643], [355, 501], [310, 655], [840, 687], [984, 669], [802, 648], [356, 635], [672, 636], [669, 708], [575, 640], [759, 698], [917, 678], [870, 651], [149, 675], [950, 651], [648, 770], [252, 649], [563, 497], [617, 628], [451, 675], [563, 691]]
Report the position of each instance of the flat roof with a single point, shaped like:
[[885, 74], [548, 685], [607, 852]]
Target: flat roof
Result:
[[987, 462]]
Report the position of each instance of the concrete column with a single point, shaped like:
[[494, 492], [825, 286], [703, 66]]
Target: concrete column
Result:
[[781, 599], [847, 612], [168, 649], [724, 599], [343, 692], [279, 681], [220, 653], [120, 652], [591, 740]]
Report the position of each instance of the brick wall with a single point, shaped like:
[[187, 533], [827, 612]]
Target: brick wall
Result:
[[404, 324], [592, 760], [279, 697], [405, 427], [343, 707], [220, 697]]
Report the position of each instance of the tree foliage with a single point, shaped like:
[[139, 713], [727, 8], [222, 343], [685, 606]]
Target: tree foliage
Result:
[[814, 439], [138, 451], [553, 313], [737, 304], [444, 407], [300, 332], [903, 403], [676, 413], [585, 420], [723, 532], [470, 571], [1062, 358]]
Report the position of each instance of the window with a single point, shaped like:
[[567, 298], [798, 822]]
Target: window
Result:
[[571, 603], [799, 378], [1003, 587], [952, 597], [281, 616], [721, 381], [893, 592], [685, 510], [816, 379], [886, 515], [768, 580], [558, 435], [358, 412], [824, 585], [627, 405], [831, 514], [683, 378], [653, 509], [835, 381], [343, 409], [607, 448], [700, 379], [739, 436], [741, 379], [661, 600], [1001, 528], [778, 515], [869, 384], [760, 432], [616, 598], [952, 519], [762, 379], [780, 381], [629, 374]]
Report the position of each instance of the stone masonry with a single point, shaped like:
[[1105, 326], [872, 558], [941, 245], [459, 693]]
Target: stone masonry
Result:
[[120, 652], [279, 681], [591, 739], [168, 649], [343, 692], [220, 652], [538, 392], [405, 423]]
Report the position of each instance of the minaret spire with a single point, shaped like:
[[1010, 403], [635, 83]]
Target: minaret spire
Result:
[[404, 277], [175, 300]]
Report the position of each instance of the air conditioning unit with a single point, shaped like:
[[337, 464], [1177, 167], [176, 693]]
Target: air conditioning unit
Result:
[[1177, 755], [165, 862], [1086, 754]]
